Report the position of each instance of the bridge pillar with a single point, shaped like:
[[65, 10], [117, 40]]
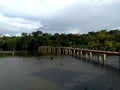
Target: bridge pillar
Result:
[[99, 58], [57, 50], [65, 51], [104, 58], [77, 53], [90, 55], [68, 51], [48, 50], [41, 49], [60, 51], [13, 53], [81, 54], [86, 56], [71, 52], [74, 52], [53, 50]]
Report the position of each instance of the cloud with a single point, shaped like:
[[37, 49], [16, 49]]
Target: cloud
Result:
[[73, 30], [85, 18], [36, 8], [58, 16], [115, 28], [98, 2], [17, 25], [22, 7]]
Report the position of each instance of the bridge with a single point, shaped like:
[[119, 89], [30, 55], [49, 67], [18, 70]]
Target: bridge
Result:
[[78, 52]]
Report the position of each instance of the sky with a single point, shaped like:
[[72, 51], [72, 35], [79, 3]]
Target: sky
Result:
[[58, 16]]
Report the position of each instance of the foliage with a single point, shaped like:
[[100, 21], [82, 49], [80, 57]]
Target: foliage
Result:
[[105, 40]]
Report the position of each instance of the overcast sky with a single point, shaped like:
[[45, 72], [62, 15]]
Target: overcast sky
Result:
[[58, 16]]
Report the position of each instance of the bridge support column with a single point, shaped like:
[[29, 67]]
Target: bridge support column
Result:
[[65, 51], [74, 53], [48, 50], [86, 56], [53, 50], [77, 53], [42, 49], [81, 54], [104, 58], [90, 55], [60, 51], [57, 50], [71, 52], [68, 51], [13, 53], [99, 58]]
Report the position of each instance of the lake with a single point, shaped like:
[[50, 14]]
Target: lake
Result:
[[55, 73]]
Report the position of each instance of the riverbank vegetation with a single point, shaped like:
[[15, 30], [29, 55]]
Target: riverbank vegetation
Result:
[[103, 40]]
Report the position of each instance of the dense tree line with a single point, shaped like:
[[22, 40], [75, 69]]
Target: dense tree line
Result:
[[104, 40]]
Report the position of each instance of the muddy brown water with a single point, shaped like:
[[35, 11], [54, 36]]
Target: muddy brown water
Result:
[[55, 73]]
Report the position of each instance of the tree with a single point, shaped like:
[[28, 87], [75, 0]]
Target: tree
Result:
[[22, 43], [24, 34], [56, 39], [117, 45], [109, 45], [37, 33], [11, 44], [101, 40]]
